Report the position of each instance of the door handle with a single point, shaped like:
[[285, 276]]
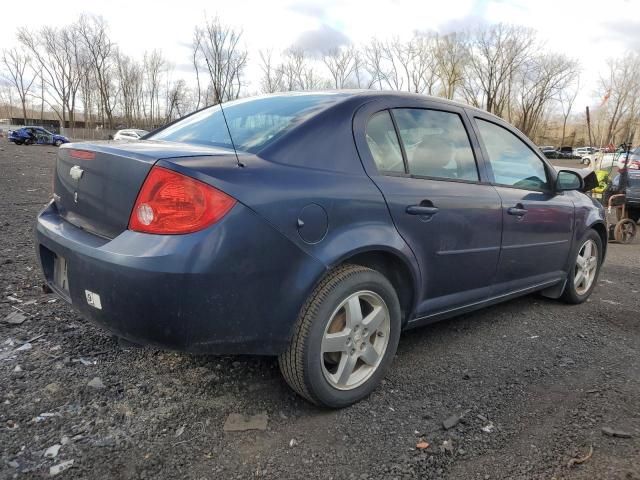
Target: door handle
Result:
[[421, 210], [518, 210]]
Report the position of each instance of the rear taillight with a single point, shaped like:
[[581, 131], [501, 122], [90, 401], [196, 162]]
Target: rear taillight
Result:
[[172, 203], [82, 154]]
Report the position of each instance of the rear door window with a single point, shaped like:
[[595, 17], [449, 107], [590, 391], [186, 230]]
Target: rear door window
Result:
[[513, 163], [383, 143], [436, 144]]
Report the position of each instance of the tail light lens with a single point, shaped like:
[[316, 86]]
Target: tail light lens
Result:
[[170, 203]]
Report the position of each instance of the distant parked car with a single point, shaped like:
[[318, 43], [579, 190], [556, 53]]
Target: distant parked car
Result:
[[36, 135], [618, 159], [566, 152], [550, 152], [130, 134], [582, 151]]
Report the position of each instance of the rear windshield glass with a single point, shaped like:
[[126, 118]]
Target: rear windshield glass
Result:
[[253, 122]]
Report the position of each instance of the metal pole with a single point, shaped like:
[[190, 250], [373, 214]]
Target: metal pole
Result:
[[589, 127]]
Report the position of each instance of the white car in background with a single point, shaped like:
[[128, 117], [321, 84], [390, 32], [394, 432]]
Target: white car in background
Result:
[[130, 134], [583, 151]]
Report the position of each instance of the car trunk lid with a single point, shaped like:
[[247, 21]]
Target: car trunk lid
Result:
[[96, 184]]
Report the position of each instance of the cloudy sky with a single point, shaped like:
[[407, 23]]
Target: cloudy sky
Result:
[[590, 30]]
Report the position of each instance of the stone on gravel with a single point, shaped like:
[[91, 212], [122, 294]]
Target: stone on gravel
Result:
[[61, 467], [22, 348], [95, 382], [452, 421], [52, 451], [52, 388], [15, 318], [422, 445], [237, 422], [447, 446], [17, 368], [488, 428], [611, 432], [13, 464]]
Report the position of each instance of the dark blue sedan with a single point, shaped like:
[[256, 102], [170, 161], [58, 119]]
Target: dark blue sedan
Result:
[[331, 222], [36, 136]]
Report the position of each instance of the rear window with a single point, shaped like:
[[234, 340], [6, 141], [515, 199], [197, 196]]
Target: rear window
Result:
[[253, 123]]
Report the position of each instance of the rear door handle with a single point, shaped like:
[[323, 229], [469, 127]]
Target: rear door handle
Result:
[[518, 210], [421, 210]]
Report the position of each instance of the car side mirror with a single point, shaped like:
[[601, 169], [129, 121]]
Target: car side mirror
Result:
[[568, 180]]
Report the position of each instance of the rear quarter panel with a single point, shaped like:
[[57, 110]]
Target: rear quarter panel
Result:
[[316, 164]]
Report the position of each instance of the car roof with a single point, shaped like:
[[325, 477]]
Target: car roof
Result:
[[365, 95]]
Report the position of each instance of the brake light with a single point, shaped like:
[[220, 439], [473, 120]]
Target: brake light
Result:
[[82, 154], [170, 203]]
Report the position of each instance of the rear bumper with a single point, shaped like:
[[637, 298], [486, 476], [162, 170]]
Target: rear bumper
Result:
[[235, 287]]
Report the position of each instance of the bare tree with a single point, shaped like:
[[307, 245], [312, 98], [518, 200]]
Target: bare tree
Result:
[[373, 59], [176, 96], [451, 55], [298, 72], [621, 89], [341, 63], [566, 98], [100, 50], [422, 68], [219, 47], [49, 48], [541, 79], [272, 75], [496, 55], [153, 65], [195, 51], [16, 65], [130, 79]]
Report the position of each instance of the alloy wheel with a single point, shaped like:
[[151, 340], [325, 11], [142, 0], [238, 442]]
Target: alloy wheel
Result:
[[355, 340], [586, 267]]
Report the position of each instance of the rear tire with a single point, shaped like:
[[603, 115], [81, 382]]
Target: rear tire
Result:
[[345, 337], [585, 268]]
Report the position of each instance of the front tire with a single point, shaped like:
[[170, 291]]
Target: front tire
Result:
[[345, 338], [585, 268]]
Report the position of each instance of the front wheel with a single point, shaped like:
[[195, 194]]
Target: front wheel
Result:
[[345, 338], [585, 269], [57, 143]]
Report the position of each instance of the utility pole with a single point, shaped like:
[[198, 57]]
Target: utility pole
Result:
[[589, 127]]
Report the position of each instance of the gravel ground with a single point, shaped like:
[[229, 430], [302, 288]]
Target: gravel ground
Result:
[[533, 380]]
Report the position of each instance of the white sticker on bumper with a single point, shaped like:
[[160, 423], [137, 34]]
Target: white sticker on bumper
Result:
[[93, 299]]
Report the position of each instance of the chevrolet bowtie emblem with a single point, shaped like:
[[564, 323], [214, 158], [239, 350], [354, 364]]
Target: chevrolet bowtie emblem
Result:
[[76, 172]]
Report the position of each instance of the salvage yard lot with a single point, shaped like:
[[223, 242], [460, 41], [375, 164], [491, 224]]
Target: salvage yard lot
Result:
[[524, 387]]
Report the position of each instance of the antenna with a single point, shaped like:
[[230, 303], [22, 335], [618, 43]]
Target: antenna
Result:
[[224, 117]]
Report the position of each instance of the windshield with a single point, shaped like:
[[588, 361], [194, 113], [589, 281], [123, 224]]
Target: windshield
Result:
[[253, 122]]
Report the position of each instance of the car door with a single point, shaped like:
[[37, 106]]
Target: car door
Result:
[[537, 221], [423, 160]]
